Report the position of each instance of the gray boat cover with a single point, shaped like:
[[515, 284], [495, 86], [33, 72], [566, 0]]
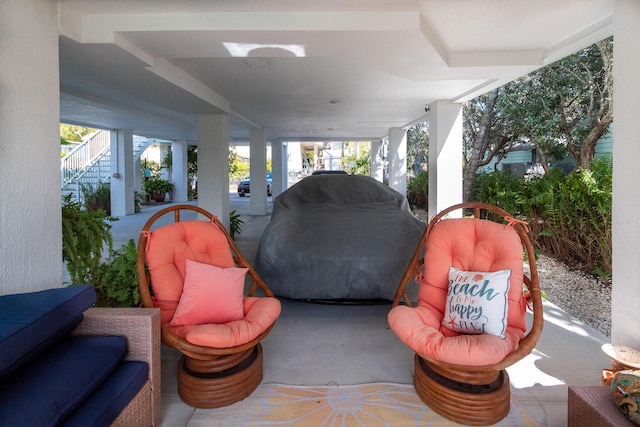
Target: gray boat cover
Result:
[[338, 237]]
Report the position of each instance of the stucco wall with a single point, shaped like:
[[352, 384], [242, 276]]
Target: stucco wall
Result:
[[625, 298], [30, 214]]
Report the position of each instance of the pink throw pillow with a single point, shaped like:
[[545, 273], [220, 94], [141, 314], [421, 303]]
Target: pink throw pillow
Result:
[[210, 295]]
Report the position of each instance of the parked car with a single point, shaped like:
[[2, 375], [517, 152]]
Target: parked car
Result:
[[244, 187]]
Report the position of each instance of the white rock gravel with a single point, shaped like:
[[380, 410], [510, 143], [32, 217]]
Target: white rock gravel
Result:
[[580, 295]]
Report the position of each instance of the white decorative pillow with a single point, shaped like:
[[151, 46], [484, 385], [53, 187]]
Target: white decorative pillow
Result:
[[477, 302]]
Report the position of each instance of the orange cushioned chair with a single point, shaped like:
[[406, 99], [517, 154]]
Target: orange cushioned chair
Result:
[[469, 323], [193, 271]]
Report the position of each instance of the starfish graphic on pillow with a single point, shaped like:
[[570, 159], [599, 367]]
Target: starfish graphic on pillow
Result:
[[452, 322]]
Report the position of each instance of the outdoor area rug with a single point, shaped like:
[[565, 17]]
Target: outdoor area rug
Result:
[[377, 404]]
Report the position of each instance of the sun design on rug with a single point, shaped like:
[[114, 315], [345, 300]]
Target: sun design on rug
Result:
[[368, 405]]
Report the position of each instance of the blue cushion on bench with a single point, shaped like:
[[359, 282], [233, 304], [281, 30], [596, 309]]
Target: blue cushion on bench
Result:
[[106, 403], [54, 384], [31, 322]]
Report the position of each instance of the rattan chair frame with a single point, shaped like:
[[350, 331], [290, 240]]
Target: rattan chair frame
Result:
[[470, 376], [202, 392]]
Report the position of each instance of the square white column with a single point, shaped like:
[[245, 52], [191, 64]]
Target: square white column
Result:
[[445, 155], [213, 165], [377, 161], [278, 171], [30, 205], [625, 297], [179, 173], [122, 179], [398, 160], [258, 171]]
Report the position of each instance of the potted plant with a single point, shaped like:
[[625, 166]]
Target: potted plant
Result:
[[98, 197], [138, 198], [158, 188]]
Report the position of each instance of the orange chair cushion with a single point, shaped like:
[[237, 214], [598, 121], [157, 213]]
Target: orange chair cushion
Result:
[[421, 330], [259, 315], [467, 244], [168, 249], [210, 295]]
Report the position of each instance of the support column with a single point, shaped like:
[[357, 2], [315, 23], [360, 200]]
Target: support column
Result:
[[277, 166], [213, 165], [625, 298], [258, 171], [377, 161], [165, 172], [285, 166], [445, 155], [179, 173], [398, 160], [137, 175], [30, 214], [122, 192]]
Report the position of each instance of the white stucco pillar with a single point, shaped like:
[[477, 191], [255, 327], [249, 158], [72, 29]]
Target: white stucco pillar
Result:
[[30, 196], [377, 161], [258, 171], [122, 179], [165, 172], [179, 171], [277, 165], [625, 298], [398, 160], [213, 165], [445, 155], [285, 166], [137, 175]]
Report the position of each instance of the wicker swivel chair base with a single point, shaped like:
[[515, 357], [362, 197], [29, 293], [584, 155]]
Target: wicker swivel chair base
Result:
[[484, 397], [221, 381]]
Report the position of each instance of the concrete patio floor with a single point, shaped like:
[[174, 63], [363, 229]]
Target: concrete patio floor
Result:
[[323, 344]]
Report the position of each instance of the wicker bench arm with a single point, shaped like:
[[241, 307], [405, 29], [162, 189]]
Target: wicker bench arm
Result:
[[141, 328]]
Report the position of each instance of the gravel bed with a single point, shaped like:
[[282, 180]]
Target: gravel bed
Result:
[[580, 295]]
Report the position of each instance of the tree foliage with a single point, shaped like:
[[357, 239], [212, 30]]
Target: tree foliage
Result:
[[238, 168], [71, 133], [487, 134], [563, 109], [358, 158], [567, 106], [417, 148]]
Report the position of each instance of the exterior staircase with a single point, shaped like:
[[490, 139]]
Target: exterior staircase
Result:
[[89, 164]]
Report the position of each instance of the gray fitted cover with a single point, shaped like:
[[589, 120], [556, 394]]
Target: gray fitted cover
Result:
[[338, 237]]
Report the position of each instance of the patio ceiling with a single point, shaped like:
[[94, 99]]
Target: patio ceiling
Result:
[[303, 70]]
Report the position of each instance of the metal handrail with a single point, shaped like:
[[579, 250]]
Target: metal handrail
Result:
[[80, 158]]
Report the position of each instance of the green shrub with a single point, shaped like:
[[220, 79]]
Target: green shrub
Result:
[[418, 191], [569, 216], [573, 217], [96, 198], [499, 188], [116, 279], [157, 186], [235, 224], [85, 235]]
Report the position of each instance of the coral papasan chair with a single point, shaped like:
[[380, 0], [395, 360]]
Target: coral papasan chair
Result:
[[469, 323], [194, 272]]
